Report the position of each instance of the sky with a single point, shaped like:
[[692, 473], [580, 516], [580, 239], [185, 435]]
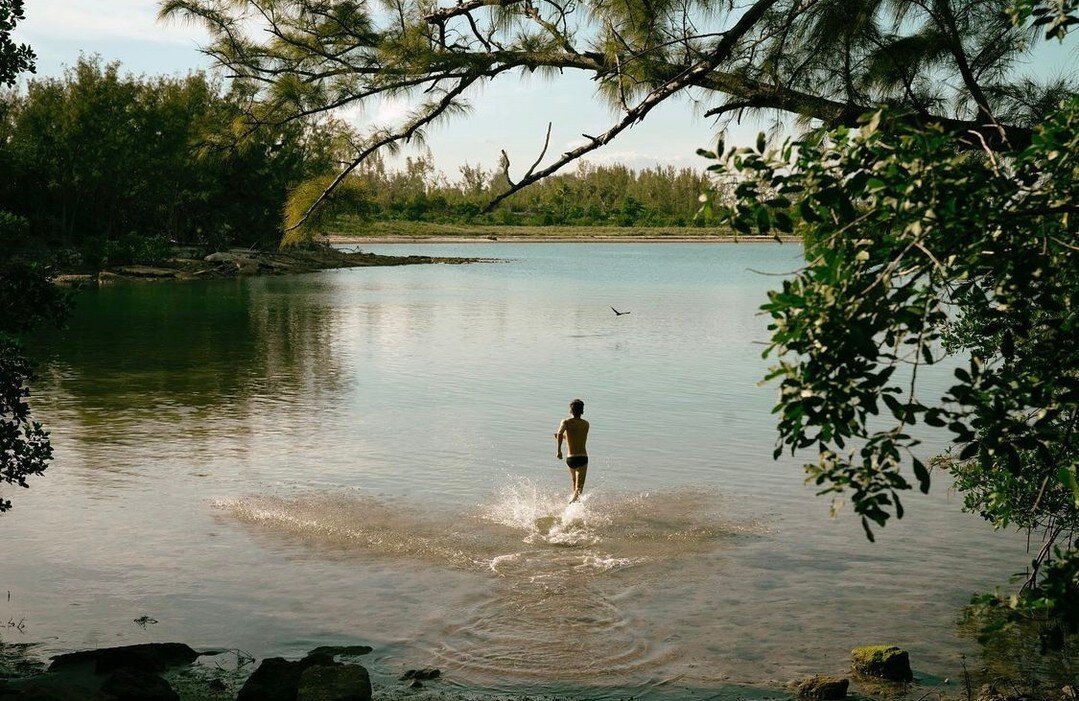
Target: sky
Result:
[[511, 113]]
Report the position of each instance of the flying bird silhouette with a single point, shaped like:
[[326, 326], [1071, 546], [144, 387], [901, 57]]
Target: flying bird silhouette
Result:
[[618, 313]]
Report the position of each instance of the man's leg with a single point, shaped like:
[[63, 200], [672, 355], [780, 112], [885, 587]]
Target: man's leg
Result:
[[582, 472], [573, 483]]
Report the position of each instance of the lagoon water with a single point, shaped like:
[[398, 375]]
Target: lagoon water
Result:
[[365, 456]]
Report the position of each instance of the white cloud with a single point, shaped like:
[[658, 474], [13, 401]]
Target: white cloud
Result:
[[392, 110], [103, 19], [388, 112], [634, 158]]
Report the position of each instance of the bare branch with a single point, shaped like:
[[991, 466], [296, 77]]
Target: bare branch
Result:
[[637, 113]]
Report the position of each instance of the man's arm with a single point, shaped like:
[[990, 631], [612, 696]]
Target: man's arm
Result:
[[559, 435]]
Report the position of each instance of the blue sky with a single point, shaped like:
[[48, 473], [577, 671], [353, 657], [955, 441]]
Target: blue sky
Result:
[[512, 113]]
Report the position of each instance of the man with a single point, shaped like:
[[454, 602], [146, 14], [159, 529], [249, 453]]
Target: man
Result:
[[575, 431]]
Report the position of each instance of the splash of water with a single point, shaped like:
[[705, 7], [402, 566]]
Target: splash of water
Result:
[[545, 517], [525, 531], [563, 571]]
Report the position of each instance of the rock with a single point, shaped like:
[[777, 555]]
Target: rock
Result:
[[147, 657], [244, 262], [823, 688], [338, 683], [219, 257], [343, 650], [218, 685], [317, 658], [135, 685], [276, 679], [422, 674], [49, 691], [882, 661], [145, 271], [75, 280]]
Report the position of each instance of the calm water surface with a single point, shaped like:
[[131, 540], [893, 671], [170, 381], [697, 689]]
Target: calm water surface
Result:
[[366, 456]]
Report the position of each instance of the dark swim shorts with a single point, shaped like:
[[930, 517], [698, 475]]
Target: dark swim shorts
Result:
[[576, 461]]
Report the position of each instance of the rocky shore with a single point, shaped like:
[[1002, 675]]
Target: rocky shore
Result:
[[175, 671], [168, 672], [188, 264]]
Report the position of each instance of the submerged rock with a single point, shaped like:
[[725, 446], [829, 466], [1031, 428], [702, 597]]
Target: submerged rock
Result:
[[135, 685], [422, 674], [882, 661], [823, 688], [342, 650], [147, 657], [338, 683]]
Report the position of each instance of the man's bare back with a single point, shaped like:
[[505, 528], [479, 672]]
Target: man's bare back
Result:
[[574, 430]]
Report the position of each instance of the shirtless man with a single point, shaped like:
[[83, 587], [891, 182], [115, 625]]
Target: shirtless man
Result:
[[575, 430]]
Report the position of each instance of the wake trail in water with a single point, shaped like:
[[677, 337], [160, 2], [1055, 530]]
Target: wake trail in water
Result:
[[523, 530], [563, 570]]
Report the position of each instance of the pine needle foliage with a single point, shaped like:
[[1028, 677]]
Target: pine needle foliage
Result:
[[951, 63]]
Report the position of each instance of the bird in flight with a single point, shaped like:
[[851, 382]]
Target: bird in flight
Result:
[[618, 313]]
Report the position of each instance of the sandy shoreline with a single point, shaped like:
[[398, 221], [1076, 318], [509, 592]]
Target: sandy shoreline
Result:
[[344, 240]]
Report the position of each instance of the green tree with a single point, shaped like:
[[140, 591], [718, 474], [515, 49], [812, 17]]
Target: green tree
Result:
[[950, 62], [14, 58], [27, 298], [119, 165], [911, 243]]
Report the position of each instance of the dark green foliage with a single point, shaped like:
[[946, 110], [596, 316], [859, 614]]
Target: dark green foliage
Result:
[[914, 242], [14, 58], [24, 445], [118, 166], [27, 299]]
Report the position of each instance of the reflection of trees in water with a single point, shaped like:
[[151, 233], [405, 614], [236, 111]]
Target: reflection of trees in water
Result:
[[1032, 656], [140, 365]]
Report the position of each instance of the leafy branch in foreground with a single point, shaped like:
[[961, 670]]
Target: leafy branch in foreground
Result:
[[27, 299], [950, 63], [14, 58], [910, 244]]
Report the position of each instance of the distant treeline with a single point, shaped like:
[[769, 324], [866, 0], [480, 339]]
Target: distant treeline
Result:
[[113, 168], [593, 195]]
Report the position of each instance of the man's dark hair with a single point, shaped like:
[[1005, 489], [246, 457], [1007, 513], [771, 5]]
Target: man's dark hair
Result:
[[576, 407]]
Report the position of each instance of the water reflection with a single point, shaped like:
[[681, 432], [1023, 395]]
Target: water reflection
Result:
[[423, 392], [147, 369]]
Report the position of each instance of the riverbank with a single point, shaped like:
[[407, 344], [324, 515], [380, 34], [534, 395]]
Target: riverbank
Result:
[[426, 232], [189, 264], [175, 672]]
